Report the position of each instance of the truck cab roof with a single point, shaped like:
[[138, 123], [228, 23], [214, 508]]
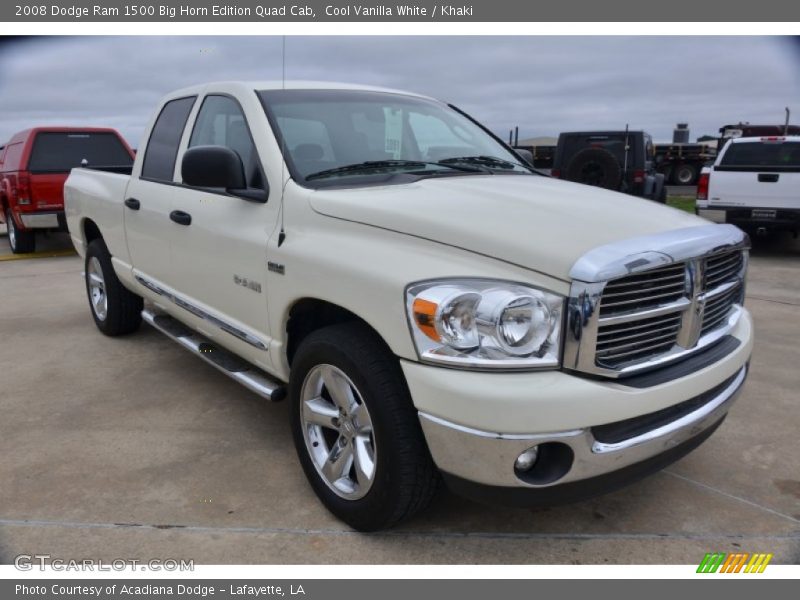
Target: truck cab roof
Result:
[[766, 138], [248, 86], [607, 133]]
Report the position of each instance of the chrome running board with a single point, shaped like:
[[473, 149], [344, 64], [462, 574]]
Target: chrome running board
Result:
[[228, 363]]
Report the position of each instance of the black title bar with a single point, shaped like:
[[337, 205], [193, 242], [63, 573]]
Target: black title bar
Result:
[[410, 11]]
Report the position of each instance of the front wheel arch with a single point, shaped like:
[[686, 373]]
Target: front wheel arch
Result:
[[307, 315]]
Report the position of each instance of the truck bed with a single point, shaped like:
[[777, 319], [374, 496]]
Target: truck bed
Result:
[[100, 193]]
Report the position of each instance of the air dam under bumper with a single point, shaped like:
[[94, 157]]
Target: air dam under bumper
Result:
[[574, 464]]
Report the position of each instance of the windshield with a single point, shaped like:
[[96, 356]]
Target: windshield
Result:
[[348, 137]]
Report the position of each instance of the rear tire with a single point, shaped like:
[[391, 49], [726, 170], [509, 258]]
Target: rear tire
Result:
[[662, 195], [685, 174], [21, 242], [115, 309], [369, 414]]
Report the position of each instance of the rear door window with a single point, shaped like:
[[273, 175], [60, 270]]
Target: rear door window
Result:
[[58, 152], [162, 148]]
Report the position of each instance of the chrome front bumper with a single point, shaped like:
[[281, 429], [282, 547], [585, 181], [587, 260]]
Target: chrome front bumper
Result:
[[488, 458]]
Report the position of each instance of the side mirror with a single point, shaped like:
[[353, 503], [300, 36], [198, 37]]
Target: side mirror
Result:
[[213, 167]]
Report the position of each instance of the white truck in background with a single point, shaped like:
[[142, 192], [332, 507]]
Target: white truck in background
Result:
[[431, 307], [754, 184]]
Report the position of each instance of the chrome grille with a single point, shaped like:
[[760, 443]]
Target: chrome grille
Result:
[[723, 268], [646, 315], [719, 307], [636, 339], [644, 302], [643, 290]]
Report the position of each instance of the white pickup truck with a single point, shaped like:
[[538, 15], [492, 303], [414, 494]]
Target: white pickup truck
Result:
[[754, 184], [432, 307]]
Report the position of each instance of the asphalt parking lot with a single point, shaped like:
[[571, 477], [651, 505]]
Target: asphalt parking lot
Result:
[[133, 448]]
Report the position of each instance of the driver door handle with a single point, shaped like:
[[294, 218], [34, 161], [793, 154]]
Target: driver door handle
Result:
[[180, 217]]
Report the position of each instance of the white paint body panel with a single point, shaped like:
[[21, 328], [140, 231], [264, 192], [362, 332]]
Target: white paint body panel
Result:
[[743, 188]]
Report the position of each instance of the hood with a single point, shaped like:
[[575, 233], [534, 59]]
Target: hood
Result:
[[535, 222]]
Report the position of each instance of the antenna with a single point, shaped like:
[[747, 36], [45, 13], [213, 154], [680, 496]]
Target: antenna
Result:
[[282, 234], [625, 164]]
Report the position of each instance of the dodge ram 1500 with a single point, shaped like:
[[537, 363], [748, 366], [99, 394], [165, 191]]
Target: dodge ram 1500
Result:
[[432, 308]]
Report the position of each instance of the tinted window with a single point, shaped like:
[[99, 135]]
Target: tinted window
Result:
[[12, 157], [221, 122], [571, 144], [60, 152], [762, 154], [162, 149]]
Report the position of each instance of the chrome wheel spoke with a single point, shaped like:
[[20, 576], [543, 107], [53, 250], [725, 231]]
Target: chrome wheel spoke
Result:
[[364, 460], [339, 461], [319, 411], [339, 389], [97, 302], [362, 419], [97, 280]]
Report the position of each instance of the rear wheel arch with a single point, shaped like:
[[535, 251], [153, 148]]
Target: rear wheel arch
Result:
[[90, 231]]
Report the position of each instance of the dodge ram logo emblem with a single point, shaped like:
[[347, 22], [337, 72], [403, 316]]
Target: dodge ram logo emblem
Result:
[[694, 288]]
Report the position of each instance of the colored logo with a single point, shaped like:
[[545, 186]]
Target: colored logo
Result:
[[719, 562]]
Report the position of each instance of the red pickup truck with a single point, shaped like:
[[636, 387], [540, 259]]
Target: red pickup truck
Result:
[[34, 165]]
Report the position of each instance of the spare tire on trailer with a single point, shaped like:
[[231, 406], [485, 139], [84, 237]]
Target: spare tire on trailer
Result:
[[595, 166]]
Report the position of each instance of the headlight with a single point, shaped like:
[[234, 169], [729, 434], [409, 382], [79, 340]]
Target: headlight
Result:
[[485, 324]]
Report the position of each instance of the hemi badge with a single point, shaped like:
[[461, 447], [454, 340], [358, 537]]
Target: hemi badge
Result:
[[276, 268]]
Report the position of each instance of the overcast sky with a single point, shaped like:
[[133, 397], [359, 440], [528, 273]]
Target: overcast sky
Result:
[[543, 84]]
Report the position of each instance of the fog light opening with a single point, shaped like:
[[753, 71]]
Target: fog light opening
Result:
[[527, 459], [544, 464]]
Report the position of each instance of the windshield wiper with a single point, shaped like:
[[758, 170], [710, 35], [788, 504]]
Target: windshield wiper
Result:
[[488, 161], [378, 165]]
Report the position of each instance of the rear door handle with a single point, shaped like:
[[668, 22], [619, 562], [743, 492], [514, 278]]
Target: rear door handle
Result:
[[768, 177], [133, 203], [180, 217]]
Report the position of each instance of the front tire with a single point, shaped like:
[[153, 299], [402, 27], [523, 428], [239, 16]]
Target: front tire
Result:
[[356, 431], [115, 309], [21, 242]]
